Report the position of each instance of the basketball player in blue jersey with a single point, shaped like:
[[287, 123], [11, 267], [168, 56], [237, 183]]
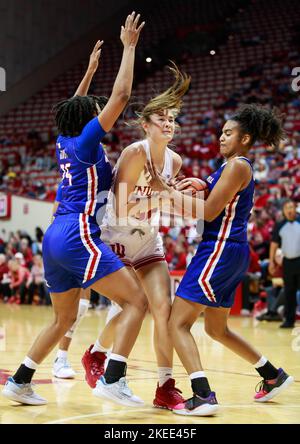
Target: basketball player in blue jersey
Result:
[[61, 367], [74, 255], [222, 259]]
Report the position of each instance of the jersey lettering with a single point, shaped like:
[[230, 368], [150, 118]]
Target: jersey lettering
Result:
[[66, 172]]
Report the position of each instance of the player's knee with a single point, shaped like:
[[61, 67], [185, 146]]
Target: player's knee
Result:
[[161, 313], [139, 300], [143, 305], [66, 320], [175, 325], [215, 332], [171, 326]]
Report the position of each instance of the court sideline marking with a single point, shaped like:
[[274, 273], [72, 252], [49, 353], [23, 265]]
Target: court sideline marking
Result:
[[73, 418], [227, 406]]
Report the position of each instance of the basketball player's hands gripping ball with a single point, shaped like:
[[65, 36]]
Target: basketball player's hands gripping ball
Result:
[[95, 56], [130, 32], [193, 186], [175, 183], [156, 180]]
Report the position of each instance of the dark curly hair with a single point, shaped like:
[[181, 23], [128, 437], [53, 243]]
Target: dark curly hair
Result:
[[261, 124], [71, 115]]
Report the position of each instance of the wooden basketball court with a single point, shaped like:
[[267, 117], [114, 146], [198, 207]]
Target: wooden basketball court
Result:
[[71, 401]]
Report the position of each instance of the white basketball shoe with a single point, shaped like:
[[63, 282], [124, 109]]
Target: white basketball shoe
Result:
[[62, 369], [118, 392], [22, 393]]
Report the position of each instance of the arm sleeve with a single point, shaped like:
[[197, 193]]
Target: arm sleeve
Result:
[[88, 142], [59, 193], [276, 236]]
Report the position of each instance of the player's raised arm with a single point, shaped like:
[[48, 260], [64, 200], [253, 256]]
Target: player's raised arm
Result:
[[85, 83], [121, 92]]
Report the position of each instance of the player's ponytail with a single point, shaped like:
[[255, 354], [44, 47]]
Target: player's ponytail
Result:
[[169, 99], [261, 124]]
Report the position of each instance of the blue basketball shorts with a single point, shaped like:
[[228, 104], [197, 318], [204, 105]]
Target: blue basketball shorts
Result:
[[74, 255], [215, 273]]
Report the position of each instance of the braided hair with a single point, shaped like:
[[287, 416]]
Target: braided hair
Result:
[[73, 114], [261, 124]]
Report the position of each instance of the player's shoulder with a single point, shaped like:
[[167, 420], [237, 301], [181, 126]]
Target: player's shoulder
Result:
[[238, 165], [135, 151], [177, 161], [176, 157]]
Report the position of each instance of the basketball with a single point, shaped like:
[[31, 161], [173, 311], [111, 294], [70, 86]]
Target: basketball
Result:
[[199, 187]]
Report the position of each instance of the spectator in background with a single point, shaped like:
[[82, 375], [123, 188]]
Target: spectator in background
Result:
[[36, 281], [3, 237], [251, 284], [26, 251], [275, 292], [20, 259], [179, 258], [169, 248], [286, 235], [5, 290], [259, 245], [190, 254], [260, 172], [19, 277], [37, 244]]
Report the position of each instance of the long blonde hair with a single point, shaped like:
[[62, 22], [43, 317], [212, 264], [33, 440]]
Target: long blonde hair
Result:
[[169, 99]]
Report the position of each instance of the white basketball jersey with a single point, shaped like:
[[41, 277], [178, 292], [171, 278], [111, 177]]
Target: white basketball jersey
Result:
[[144, 220]]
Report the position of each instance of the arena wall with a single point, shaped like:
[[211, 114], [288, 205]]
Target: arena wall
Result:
[[27, 214]]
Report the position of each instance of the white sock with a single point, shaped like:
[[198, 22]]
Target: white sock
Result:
[[119, 358], [61, 354], [164, 374], [29, 363], [83, 307], [99, 348], [197, 375], [261, 362]]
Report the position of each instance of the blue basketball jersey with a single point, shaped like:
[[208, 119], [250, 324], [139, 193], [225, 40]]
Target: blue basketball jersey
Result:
[[85, 171], [231, 224], [73, 253], [222, 258]]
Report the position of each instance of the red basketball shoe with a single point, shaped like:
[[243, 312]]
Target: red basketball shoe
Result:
[[167, 396], [93, 364]]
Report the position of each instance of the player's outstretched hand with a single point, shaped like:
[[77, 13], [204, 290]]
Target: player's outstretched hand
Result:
[[130, 32], [95, 57]]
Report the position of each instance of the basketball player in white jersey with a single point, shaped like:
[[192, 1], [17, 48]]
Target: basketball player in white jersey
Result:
[[133, 234]]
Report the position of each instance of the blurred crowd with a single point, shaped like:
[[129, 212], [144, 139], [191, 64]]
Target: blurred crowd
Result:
[[21, 269]]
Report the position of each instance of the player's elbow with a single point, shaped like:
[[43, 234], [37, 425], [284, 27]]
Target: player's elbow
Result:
[[124, 96], [209, 217]]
